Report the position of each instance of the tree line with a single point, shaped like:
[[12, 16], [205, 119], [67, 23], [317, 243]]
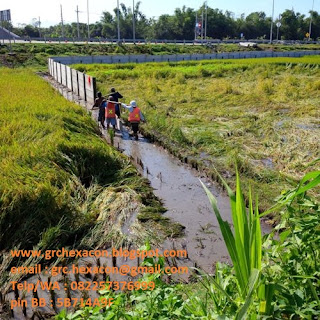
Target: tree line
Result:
[[181, 25]]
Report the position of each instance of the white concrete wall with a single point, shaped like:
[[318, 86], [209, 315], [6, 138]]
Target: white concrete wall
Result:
[[63, 74], [69, 78], [90, 88], [76, 81], [82, 86], [75, 84], [59, 73]]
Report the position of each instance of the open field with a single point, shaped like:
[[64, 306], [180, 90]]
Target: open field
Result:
[[262, 112], [62, 185]]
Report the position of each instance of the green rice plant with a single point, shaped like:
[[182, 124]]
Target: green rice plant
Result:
[[111, 135], [245, 244]]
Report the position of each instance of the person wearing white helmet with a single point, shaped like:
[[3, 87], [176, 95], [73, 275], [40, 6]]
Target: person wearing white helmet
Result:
[[135, 116]]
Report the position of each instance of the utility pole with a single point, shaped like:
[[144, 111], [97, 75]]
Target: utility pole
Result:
[[62, 31], [78, 28], [133, 23], [271, 29], [202, 25], [39, 27], [196, 27], [118, 15], [310, 26], [205, 30], [88, 20]]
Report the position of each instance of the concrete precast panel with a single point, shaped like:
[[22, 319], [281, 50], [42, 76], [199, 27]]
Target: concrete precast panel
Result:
[[69, 78], [63, 75], [208, 56], [90, 85], [102, 59], [182, 57], [138, 58], [55, 71], [58, 72], [120, 59], [75, 84], [82, 86], [52, 68], [155, 58], [49, 66]]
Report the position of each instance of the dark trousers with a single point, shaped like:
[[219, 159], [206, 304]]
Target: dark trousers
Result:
[[135, 127]]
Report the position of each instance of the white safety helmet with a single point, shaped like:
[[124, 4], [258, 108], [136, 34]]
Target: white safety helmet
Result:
[[133, 104]]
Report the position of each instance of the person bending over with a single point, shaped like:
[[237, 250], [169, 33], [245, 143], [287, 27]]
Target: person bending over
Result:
[[135, 117]]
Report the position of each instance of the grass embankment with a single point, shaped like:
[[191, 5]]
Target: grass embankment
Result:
[[35, 55], [263, 112], [61, 184]]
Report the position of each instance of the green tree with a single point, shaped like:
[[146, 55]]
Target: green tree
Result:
[[256, 25], [290, 25], [220, 25]]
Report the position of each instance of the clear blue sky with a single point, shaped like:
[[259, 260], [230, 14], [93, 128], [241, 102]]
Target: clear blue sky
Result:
[[23, 11]]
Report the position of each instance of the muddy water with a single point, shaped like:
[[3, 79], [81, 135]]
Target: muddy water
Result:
[[180, 189]]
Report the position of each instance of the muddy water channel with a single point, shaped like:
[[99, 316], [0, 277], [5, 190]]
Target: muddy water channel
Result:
[[179, 188]]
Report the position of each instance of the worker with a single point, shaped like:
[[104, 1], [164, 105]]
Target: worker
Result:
[[98, 103], [135, 116], [111, 113], [116, 95]]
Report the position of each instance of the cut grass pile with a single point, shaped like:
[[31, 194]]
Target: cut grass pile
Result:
[[61, 184], [262, 112]]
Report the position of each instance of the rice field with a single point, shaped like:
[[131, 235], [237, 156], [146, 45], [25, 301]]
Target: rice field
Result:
[[262, 113]]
